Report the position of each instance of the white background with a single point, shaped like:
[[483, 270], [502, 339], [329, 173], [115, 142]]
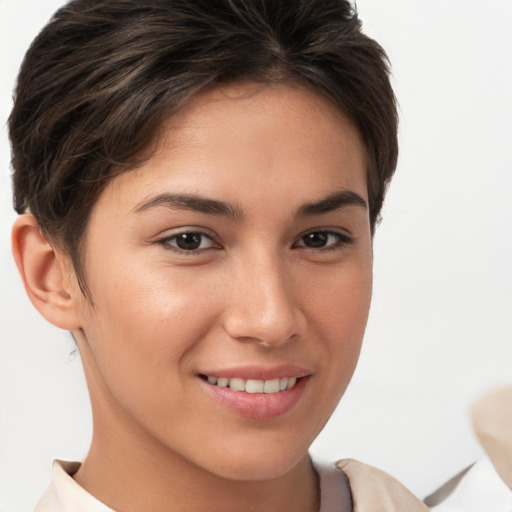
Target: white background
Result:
[[440, 330]]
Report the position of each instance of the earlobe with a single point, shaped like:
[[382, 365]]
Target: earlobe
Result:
[[44, 274]]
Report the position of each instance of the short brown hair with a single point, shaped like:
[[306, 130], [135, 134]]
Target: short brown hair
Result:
[[102, 76]]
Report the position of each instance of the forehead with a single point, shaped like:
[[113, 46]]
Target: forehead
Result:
[[266, 110], [252, 138]]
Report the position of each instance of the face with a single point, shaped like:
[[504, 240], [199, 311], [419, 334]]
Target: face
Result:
[[230, 278]]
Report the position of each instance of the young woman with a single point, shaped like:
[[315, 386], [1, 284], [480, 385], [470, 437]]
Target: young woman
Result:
[[198, 183]]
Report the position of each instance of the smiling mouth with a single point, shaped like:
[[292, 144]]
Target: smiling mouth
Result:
[[253, 385]]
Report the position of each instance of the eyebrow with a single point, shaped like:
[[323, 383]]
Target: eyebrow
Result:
[[200, 204], [331, 203], [192, 203]]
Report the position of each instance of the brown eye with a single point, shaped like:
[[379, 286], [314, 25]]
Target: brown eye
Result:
[[315, 239], [188, 241], [324, 240]]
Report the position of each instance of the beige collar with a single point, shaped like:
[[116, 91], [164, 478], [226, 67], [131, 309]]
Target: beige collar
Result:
[[375, 490], [65, 495], [492, 421], [371, 490]]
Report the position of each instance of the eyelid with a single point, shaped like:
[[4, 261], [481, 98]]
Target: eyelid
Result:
[[342, 237], [165, 240]]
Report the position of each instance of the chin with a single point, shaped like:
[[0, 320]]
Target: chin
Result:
[[258, 464]]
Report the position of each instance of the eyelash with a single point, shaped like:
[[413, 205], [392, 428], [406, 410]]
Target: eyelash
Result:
[[342, 240], [167, 241]]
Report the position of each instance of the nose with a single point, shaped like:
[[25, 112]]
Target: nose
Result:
[[264, 305]]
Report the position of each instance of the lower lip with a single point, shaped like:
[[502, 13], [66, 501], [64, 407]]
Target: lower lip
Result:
[[258, 406]]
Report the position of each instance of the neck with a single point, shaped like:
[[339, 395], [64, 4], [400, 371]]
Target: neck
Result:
[[132, 474]]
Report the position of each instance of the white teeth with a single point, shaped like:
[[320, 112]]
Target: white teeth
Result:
[[237, 384], [254, 385], [271, 386], [222, 382]]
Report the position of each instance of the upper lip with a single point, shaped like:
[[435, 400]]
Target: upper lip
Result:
[[258, 372]]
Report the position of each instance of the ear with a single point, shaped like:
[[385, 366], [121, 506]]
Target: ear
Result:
[[46, 274]]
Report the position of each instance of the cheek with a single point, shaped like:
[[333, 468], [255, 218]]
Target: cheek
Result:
[[339, 313], [342, 303], [141, 339], [143, 321]]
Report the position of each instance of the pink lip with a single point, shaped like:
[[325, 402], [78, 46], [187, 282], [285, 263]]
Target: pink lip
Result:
[[258, 406]]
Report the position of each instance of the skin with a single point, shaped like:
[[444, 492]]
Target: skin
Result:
[[254, 294]]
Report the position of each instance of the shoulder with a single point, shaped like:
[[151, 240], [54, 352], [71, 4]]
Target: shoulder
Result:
[[374, 490]]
